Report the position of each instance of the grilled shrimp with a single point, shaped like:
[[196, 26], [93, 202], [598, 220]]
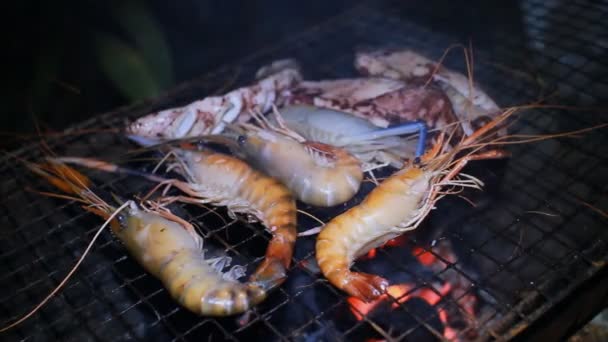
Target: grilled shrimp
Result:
[[222, 180], [317, 173], [168, 248], [395, 206], [374, 147]]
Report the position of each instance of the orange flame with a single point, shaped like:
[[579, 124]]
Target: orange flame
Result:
[[398, 241], [401, 293], [371, 254], [424, 257], [448, 332], [360, 308]]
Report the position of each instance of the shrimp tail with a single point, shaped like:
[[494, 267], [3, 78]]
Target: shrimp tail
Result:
[[367, 287], [270, 274]]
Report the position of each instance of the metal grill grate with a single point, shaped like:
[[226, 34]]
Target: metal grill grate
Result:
[[529, 243]]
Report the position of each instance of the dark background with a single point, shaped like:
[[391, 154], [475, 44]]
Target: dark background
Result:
[[70, 60]]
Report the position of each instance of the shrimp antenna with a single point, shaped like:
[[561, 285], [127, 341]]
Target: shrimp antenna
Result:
[[151, 144], [439, 63], [311, 216], [69, 275]]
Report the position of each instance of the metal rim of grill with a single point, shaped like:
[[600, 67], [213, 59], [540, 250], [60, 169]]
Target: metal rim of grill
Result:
[[534, 230]]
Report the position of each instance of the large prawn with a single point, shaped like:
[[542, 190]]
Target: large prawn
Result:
[[399, 204], [318, 174], [375, 147], [221, 180], [166, 246]]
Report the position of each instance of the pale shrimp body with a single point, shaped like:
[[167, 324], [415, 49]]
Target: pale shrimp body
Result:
[[175, 256], [358, 136], [384, 214], [167, 247], [228, 181], [318, 174]]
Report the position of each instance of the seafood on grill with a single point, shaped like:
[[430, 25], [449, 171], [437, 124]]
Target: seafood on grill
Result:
[[396, 205], [374, 147], [471, 104], [222, 180], [381, 98], [381, 101], [402, 201], [211, 114], [318, 174], [167, 246]]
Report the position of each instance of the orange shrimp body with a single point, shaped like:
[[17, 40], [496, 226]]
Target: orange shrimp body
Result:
[[379, 218], [170, 253], [318, 174], [395, 206], [220, 179], [167, 247]]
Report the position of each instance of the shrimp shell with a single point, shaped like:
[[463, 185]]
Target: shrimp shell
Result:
[[397, 205], [345, 130], [167, 247], [223, 180], [173, 255], [389, 209], [318, 174]]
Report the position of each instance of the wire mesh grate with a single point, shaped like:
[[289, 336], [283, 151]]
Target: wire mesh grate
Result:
[[531, 239]]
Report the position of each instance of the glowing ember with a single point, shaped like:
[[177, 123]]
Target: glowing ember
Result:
[[402, 293], [468, 303], [398, 241], [361, 308], [448, 332], [371, 254], [399, 293], [452, 284], [425, 258]]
